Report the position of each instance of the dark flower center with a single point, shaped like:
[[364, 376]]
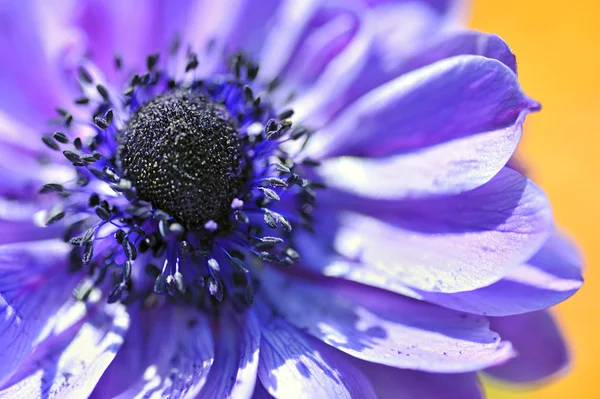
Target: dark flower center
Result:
[[190, 174], [183, 154]]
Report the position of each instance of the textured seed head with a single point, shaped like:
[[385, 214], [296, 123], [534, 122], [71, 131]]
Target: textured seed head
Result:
[[183, 154]]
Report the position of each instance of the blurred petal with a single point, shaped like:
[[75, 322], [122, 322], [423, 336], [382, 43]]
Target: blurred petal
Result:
[[71, 365], [445, 168], [451, 99], [17, 223], [293, 365], [447, 244], [39, 48], [290, 23], [168, 352], [218, 29], [250, 34], [541, 349], [233, 374], [260, 392], [132, 29], [331, 29], [21, 174], [290, 40], [393, 383], [390, 33], [22, 135], [34, 283], [21, 153], [386, 328], [446, 8]]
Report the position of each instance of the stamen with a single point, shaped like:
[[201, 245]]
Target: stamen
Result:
[[183, 174]]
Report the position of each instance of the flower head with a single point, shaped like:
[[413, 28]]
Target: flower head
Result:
[[296, 199]]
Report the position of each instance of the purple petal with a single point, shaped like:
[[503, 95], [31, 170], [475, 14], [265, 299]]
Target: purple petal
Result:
[[447, 244], [391, 33], [453, 98], [386, 328], [260, 392], [305, 37], [22, 175], [550, 277], [518, 164], [133, 30], [291, 22], [257, 21], [440, 6], [218, 29], [168, 352], [389, 382], [331, 29], [460, 43], [292, 364], [20, 135], [290, 40], [70, 365], [206, 27], [39, 49], [19, 173], [18, 224], [233, 374], [21, 148], [448, 168], [34, 283], [541, 350]]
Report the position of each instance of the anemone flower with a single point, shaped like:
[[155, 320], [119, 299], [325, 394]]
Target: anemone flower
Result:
[[267, 199]]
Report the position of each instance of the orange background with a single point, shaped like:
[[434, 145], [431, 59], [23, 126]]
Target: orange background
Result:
[[558, 53]]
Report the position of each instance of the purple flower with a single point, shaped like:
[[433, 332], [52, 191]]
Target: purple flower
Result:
[[275, 198]]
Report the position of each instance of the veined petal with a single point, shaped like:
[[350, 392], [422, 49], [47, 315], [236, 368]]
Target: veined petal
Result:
[[541, 349], [386, 328], [448, 244], [389, 382], [34, 283], [208, 28], [170, 358], [548, 278], [294, 365], [453, 98], [72, 363], [447, 168], [390, 33], [233, 374]]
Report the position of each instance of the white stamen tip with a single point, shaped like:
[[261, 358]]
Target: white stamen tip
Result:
[[211, 225], [237, 203]]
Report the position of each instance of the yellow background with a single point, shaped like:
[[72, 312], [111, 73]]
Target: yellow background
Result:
[[557, 45]]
